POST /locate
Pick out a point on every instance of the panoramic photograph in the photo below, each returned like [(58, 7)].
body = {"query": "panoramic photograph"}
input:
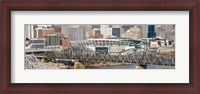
[(99, 46)]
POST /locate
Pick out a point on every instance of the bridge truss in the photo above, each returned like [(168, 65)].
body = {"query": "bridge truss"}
[(31, 62), (139, 56)]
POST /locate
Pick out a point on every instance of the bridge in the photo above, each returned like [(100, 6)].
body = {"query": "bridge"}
[(139, 56), (142, 56), (32, 62)]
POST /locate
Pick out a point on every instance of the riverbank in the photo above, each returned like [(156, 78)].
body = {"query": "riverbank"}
[(133, 66), (101, 65), (106, 64), (56, 65)]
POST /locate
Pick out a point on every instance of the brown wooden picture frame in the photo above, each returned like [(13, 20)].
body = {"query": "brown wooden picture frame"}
[(193, 87)]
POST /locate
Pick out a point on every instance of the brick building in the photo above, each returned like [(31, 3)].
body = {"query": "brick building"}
[(48, 31), (57, 29), (65, 43), (98, 36)]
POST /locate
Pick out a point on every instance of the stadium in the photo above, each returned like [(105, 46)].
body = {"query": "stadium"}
[(109, 44)]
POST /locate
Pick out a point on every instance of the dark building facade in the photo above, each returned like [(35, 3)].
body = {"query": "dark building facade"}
[(151, 31), (53, 40), (37, 43), (116, 32), (97, 32)]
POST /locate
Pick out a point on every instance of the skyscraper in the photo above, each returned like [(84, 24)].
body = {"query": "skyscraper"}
[(76, 32), (116, 32), (53, 40), (73, 34), (151, 31), (104, 30), (144, 31), (38, 33), (29, 31), (108, 32), (64, 30)]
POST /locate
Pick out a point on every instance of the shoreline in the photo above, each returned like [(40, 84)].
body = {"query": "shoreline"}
[(81, 65), (116, 64), (106, 64)]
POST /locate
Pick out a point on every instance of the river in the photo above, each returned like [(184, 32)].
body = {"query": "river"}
[(125, 66), (132, 66)]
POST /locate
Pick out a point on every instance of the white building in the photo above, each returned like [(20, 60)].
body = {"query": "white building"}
[(77, 32), (108, 33), (64, 30), (29, 31), (38, 32), (104, 30), (159, 42)]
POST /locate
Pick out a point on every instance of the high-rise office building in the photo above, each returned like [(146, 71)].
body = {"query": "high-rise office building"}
[(73, 34), (151, 31), (64, 29), (29, 31), (144, 29), (77, 32), (38, 33), (104, 30), (53, 40), (82, 32), (116, 32), (108, 32)]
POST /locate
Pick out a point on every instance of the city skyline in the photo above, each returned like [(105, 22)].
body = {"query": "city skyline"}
[(95, 31), (89, 46)]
